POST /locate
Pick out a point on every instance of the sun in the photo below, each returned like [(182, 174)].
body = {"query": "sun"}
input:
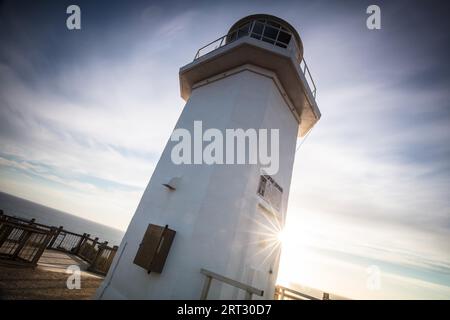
[(282, 236)]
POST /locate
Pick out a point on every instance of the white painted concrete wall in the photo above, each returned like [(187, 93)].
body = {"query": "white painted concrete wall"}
[(215, 209)]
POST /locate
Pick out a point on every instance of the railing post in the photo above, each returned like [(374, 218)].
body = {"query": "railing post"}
[(248, 295), (206, 286), (5, 231), (23, 241), (111, 256), (282, 294), (2, 219), (55, 236), (89, 249), (80, 243), (30, 223), (277, 295), (85, 250), (326, 296), (101, 248), (43, 246)]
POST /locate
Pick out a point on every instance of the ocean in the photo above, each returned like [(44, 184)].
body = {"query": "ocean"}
[(22, 208)]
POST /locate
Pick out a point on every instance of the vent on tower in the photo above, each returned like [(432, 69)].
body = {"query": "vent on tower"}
[(154, 248), (270, 191)]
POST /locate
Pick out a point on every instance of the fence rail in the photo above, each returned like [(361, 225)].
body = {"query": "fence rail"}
[(283, 293), (209, 276), (22, 242)]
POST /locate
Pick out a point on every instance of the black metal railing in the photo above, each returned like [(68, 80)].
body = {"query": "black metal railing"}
[(256, 30)]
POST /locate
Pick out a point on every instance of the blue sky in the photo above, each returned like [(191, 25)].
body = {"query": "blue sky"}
[(84, 116)]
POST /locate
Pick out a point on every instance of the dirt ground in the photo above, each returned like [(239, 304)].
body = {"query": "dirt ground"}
[(47, 280)]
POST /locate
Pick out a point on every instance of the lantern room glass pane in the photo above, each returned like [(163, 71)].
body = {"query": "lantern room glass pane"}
[(270, 32), (244, 30), (258, 28), (284, 37)]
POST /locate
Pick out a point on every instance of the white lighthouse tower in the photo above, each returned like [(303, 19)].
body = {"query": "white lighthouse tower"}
[(207, 230)]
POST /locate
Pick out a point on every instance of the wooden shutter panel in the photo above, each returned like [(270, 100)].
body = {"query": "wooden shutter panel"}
[(154, 248)]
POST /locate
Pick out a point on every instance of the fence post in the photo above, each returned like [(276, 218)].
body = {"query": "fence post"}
[(80, 243), (326, 296), (282, 294), (43, 246), (206, 286), (24, 234), (5, 231), (101, 248), (113, 253), (23, 241), (58, 231), (91, 256), (111, 257), (3, 217)]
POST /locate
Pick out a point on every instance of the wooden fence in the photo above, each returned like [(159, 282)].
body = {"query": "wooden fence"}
[(22, 242)]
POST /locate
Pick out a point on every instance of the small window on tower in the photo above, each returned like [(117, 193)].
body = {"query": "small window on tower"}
[(270, 191)]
